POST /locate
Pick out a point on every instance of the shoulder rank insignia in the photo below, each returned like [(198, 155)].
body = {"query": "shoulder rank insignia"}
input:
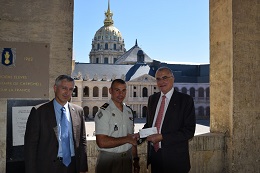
[(100, 114), (104, 106), (131, 110)]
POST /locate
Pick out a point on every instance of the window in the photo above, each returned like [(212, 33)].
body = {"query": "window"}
[(145, 92), (184, 90), (95, 110), (208, 111), (192, 92), (104, 92), (106, 46), (114, 46), (201, 92), (86, 112), (144, 111), (106, 60), (201, 111), (75, 92), (207, 92), (95, 91), (86, 92)]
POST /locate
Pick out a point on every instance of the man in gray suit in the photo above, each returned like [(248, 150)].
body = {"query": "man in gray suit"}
[(48, 140)]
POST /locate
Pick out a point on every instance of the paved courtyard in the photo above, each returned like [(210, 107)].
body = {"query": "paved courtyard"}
[(202, 126)]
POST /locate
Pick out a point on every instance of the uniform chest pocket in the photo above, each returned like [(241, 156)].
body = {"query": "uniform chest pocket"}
[(114, 129)]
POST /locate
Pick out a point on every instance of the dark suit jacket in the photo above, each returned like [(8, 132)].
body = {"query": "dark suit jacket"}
[(41, 144), (177, 128)]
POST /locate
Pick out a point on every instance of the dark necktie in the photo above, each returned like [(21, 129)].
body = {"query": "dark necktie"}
[(65, 140), (159, 121)]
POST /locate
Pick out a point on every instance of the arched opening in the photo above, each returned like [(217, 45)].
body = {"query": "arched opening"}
[(208, 111), (201, 111), (207, 93), (145, 92), (95, 110), (86, 112), (192, 92), (144, 112), (105, 60), (104, 92), (75, 92), (86, 91), (201, 93), (95, 91), (184, 90)]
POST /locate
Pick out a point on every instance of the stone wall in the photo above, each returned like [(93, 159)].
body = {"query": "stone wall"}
[(48, 21), (235, 81), (206, 154)]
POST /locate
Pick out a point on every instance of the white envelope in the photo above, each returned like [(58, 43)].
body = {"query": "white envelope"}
[(147, 132)]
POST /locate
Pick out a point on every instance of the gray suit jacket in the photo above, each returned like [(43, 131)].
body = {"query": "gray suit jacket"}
[(41, 143)]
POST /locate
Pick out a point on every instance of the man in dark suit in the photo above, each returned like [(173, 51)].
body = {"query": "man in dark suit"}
[(168, 151), (48, 140)]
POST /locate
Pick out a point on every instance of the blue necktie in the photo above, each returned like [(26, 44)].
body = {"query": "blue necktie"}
[(65, 140)]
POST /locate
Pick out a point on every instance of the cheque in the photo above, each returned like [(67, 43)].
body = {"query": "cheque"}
[(147, 132)]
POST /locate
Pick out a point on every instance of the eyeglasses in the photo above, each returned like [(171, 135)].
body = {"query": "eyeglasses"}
[(164, 78)]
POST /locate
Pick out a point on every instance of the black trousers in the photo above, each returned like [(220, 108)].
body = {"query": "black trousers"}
[(60, 167), (158, 164)]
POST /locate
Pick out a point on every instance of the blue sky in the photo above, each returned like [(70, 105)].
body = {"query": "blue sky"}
[(166, 30)]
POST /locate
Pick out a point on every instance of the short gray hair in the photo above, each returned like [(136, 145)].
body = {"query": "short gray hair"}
[(64, 77), (166, 69)]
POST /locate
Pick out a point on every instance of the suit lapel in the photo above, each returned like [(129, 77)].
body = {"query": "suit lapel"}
[(73, 116), (53, 122), (154, 105), (171, 105), (171, 114)]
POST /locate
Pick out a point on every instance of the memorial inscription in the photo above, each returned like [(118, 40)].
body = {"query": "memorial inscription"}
[(24, 70)]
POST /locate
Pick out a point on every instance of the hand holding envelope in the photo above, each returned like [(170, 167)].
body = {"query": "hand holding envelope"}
[(147, 132)]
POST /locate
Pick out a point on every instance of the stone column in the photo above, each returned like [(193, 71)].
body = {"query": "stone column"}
[(235, 81), (49, 22)]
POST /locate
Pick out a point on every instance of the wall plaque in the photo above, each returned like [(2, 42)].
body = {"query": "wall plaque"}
[(24, 70)]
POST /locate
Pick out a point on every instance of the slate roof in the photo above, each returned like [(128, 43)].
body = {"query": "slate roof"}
[(130, 57), (97, 72)]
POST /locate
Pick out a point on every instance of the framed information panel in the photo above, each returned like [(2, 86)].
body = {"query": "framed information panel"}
[(17, 115)]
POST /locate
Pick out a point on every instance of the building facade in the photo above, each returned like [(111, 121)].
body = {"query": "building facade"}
[(109, 60)]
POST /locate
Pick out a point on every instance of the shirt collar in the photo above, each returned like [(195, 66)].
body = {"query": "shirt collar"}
[(57, 105), (168, 94), (113, 106)]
